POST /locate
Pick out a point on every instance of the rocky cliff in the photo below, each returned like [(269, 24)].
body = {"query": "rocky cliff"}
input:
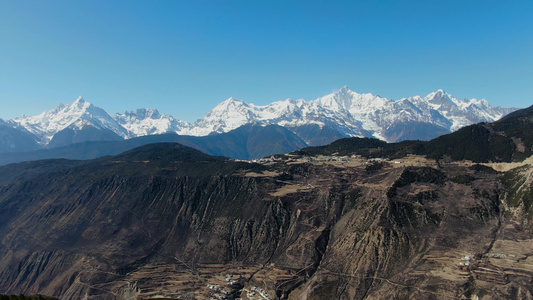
[(166, 220)]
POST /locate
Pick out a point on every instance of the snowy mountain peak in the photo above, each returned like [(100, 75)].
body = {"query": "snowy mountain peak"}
[(351, 113), (340, 100), (77, 116), (482, 104), (346, 101), (344, 90), (226, 116), (81, 104), (143, 113), (441, 100), (146, 121), (342, 113), (232, 101), (440, 93), (229, 105)]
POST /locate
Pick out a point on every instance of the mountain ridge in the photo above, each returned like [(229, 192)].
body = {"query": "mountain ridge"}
[(343, 113), (76, 116), (246, 142), (509, 139)]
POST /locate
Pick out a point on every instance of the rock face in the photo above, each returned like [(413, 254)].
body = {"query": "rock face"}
[(168, 220)]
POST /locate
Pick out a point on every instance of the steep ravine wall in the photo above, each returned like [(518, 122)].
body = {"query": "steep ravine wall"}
[(341, 233), (67, 241), (389, 245)]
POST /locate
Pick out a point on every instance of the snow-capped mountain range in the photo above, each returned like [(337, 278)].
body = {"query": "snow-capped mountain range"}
[(78, 115), (344, 113), (348, 112)]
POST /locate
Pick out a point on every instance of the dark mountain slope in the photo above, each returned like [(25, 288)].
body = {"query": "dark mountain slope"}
[(402, 131), (166, 153), (345, 146), (246, 142), (16, 140), (479, 143), (523, 114), (27, 170), (316, 135), (165, 219), (69, 136), (156, 202), (510, 139), (367, 147)]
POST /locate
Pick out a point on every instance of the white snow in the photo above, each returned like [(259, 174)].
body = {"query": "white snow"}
[(146, 121), (347, 111), (354, 114), (77, 115)]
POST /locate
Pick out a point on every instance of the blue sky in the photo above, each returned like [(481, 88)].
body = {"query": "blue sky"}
[(184, 57)]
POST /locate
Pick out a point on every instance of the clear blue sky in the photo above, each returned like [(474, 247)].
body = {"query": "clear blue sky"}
[(184, 57)]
